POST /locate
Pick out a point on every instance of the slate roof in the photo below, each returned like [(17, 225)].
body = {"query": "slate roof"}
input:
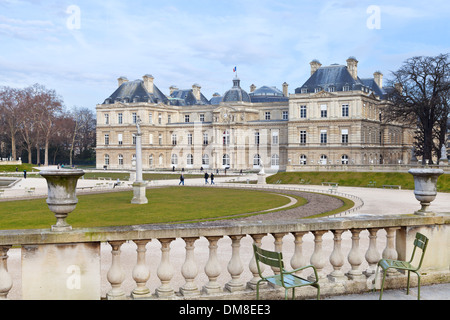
[(267, 94), (236, 93), (216, 99), (338, 76), (134, 91), (186, 98)]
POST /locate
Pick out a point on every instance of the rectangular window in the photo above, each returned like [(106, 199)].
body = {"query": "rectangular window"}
[(169, 118), (205, 139), (174, 139), (120, 138), (275, 137), (106, 118), (134, 117), (267, 115), (345, 110), (150, 140), (160, 139), (134, 139), (323, 136), (257, 138), (202, 117), (106, 139), (344, 136), (302, 136), (323, 111), (285, 115), (159, 118), (186, 118), (302, 111), (189, 138), (150, 118), (120, 118)]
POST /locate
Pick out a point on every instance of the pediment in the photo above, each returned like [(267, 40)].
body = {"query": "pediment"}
[(324, 94)]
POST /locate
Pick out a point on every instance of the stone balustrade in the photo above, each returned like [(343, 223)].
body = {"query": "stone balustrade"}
[(215, 260)]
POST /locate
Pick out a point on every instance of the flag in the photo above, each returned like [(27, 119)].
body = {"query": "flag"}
[(234, 69)]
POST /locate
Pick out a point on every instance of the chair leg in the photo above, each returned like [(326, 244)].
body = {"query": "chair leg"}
[(293, 293), (407, 283), (318, 292), (418, 286), (382, 284)]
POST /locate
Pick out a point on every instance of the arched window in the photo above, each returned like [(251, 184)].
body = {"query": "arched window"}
[(190, 160), (256, 160), (323, 159), (150, 160), (120, 160), (275, 160), (205, 160), (174, 159), (344, 159), (226, 160), (303, 159)]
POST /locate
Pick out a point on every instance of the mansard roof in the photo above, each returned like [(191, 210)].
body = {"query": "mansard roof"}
[(267, 94), (337, 77), (186, 98), (135, 91)]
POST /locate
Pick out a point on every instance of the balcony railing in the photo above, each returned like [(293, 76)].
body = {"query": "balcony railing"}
[(213, 259)]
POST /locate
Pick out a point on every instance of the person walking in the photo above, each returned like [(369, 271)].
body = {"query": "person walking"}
[(206, 177), (212, 178), (181, 180)]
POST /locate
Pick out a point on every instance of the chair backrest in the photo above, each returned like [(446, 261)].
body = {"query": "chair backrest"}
[(420, 242), (270, 258)]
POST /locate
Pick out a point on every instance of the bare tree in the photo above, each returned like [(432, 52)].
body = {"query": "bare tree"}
[(9, 108), (47, 106), (418, 98)]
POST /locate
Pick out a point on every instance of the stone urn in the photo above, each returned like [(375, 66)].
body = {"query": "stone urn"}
[(62, 198), (425, 181)]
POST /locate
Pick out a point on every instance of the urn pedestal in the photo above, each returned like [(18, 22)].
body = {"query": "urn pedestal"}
[(425, 191), (62, 198)]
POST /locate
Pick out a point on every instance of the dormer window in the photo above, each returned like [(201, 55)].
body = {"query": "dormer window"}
[(346, 88), (304, 90)]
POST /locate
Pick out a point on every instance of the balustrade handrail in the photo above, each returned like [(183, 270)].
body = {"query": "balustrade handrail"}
[(222, 228)]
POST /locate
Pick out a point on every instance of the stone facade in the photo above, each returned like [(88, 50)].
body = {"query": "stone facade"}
[(331, 121)]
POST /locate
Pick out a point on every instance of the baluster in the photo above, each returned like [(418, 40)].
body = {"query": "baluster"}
[(165, 270), (189, 269), (235, 266), (337, 258), (252, 265), (115, 274), (298, 259), (278, 245), (390, 252), (318, 258), (6, 282), (372, 255), (354, 257), (141, 272), (212, 267)]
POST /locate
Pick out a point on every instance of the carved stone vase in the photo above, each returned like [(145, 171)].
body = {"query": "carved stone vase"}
[(62, 198), (425, 181)]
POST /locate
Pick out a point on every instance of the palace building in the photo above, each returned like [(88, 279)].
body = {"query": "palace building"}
[(335, 117)]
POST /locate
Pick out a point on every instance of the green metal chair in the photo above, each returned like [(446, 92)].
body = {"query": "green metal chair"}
[(286, 279), (420, 242)]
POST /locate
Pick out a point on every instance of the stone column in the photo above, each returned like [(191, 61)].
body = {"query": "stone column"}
[(115, 274), (141, 272), (189, 270), (212, 267), (165, 270), (235, 267), (139, 185)]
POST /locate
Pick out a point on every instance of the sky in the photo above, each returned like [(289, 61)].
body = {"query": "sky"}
[(80, 48)]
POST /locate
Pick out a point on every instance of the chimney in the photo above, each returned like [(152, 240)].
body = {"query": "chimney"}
[(398, 87), (122, 80), (148, 83), (378, 77), (285, 89), (315, 64), (172, 89), (252, 88), (196, 91), (352, 66)]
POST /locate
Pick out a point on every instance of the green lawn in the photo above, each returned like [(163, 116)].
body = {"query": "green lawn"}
[(356, 179), (166, 205)]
